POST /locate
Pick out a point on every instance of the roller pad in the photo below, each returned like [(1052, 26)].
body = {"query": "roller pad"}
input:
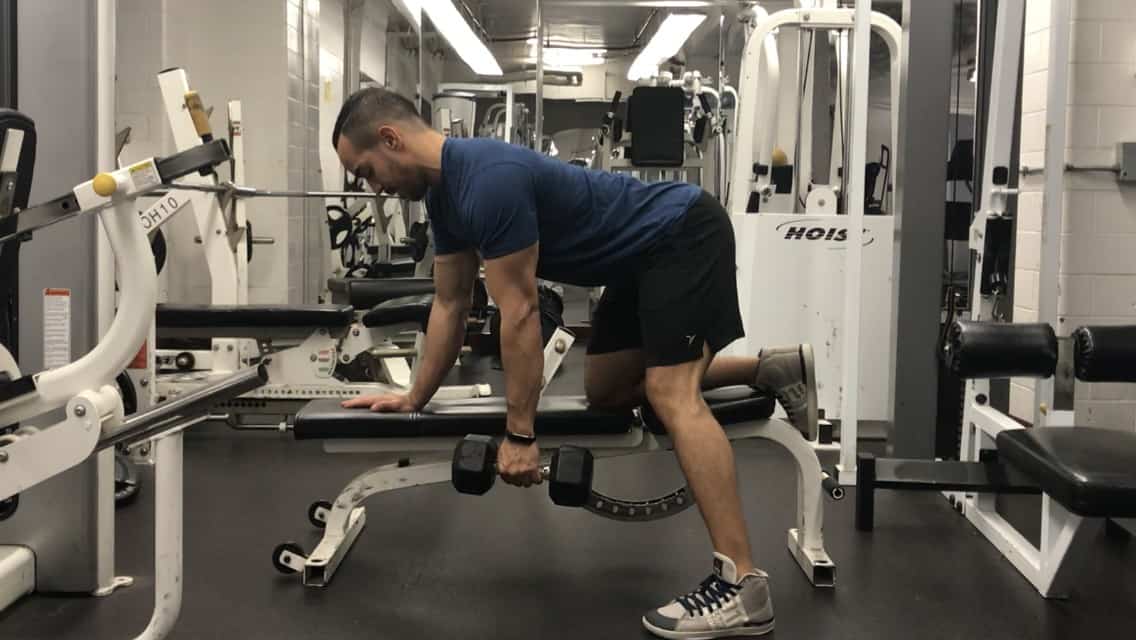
[(1105, 354), (1001, 350)]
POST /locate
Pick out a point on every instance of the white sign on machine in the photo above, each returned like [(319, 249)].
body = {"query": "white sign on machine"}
[(791, 289)]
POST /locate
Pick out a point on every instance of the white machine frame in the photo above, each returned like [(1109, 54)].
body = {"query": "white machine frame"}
[(93, 404), (760, 68), (1062, 533), (347, 517)]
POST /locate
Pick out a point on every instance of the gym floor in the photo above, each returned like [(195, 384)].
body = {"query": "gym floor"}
[(435, 564)]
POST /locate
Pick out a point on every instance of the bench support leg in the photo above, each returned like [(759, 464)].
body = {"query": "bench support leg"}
[(347, 516)]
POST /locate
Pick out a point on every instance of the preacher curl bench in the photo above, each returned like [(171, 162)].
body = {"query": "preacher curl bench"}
[(1085, 474), (422, 444)]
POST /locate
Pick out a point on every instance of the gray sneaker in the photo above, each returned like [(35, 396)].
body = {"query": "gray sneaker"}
[(789, 373), (723, 606)]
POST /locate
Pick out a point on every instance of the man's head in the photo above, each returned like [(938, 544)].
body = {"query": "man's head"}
[(376, 135)]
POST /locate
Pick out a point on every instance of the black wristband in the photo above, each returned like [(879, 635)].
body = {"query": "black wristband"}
[(520, 438)]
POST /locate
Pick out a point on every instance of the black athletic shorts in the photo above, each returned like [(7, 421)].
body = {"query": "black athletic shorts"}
[(681, 293)]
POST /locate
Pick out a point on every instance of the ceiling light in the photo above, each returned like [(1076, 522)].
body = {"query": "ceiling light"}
[(672, 34), (457, 32)]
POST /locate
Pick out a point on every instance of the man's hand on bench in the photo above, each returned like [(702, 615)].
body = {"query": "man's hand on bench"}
[(384, 403)]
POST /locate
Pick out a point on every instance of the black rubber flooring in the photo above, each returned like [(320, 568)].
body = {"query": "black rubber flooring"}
[(433, 564)]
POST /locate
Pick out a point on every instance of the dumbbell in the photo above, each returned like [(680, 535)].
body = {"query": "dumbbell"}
[(569, 476)]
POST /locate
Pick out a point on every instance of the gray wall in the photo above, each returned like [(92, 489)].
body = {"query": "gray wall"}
[(57, 90)]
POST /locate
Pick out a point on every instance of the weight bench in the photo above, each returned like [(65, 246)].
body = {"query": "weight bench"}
[(1082, 472), (310, 352), (419, 446)]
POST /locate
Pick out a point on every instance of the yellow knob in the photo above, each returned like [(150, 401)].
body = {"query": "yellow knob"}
[(780, 158), (105, 185)]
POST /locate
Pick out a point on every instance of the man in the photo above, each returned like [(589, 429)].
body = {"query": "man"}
[(664, 251)]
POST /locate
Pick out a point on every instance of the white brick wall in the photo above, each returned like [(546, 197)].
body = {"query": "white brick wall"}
[(1098, 236)]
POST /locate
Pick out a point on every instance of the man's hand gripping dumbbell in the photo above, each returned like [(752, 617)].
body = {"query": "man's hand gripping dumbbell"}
[(569, 475)]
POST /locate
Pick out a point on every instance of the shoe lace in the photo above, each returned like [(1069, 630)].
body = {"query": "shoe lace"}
[(712, 594)]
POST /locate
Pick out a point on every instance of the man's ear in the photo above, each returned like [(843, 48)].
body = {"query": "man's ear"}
[(389, 137)]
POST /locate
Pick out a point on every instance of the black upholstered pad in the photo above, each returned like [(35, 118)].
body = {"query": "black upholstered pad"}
[(732, 405), (363, 293), (240, 321), (414, 309), (1091, 472), (556, 415)]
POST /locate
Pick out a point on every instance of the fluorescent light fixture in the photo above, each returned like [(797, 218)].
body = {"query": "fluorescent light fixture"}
[(453, 27), (672, 34), (561, 57)]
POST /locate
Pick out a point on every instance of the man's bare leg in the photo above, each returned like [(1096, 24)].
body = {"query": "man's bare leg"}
[(704, 453), (616, 379)]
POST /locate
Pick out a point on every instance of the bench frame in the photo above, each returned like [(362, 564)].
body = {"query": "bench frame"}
[(346, 518)]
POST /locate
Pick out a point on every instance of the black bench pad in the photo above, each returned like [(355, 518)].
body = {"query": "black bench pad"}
[(556, 415), (364, 293), (1090, 471), (409, 309), (238, 321)]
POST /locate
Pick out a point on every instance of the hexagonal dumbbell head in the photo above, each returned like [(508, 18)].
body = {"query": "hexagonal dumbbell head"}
[(474, 469), (570, 479)]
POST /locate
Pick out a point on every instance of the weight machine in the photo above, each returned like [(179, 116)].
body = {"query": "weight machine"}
[(84, 390)]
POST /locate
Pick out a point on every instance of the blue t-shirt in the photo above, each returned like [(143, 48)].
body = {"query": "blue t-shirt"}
[(499, 198)]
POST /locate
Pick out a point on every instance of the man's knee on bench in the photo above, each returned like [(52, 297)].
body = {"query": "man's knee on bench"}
[(675, 397)]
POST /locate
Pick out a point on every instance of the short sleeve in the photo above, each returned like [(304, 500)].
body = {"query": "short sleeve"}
[(445, 241), (501, 211)]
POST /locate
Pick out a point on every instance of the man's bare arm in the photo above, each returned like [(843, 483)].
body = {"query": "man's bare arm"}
[(454, 275), (511, 280)]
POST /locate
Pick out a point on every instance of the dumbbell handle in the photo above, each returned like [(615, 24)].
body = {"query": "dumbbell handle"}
[(545, 471)]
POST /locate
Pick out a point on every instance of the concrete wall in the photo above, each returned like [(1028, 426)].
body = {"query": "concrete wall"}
[(1098, 230)]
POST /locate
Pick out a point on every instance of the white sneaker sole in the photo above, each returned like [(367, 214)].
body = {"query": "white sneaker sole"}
[(734, 632)]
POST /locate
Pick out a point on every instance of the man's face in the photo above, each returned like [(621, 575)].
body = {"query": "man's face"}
[(386, 166)]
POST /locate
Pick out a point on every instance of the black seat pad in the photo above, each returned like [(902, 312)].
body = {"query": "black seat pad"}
[(415, 309), (240, 318), (556, 415), (1091, 472), (363, 293)]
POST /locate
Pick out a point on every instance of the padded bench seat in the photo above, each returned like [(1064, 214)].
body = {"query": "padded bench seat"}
[(364, 293), (408, 309), (250, 321), (1090, 471), (556, 415)]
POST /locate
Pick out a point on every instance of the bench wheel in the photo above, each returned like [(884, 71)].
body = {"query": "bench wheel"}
[(318, 513), (280, 562)]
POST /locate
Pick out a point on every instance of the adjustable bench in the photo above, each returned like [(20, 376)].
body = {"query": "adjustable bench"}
[(310, 352), (1082, 472), (430, 436)]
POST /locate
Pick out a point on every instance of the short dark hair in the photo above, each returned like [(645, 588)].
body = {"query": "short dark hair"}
[(366, 107)]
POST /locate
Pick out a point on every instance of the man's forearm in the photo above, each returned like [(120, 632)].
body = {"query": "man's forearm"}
[(523, 360), (445, 334)]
